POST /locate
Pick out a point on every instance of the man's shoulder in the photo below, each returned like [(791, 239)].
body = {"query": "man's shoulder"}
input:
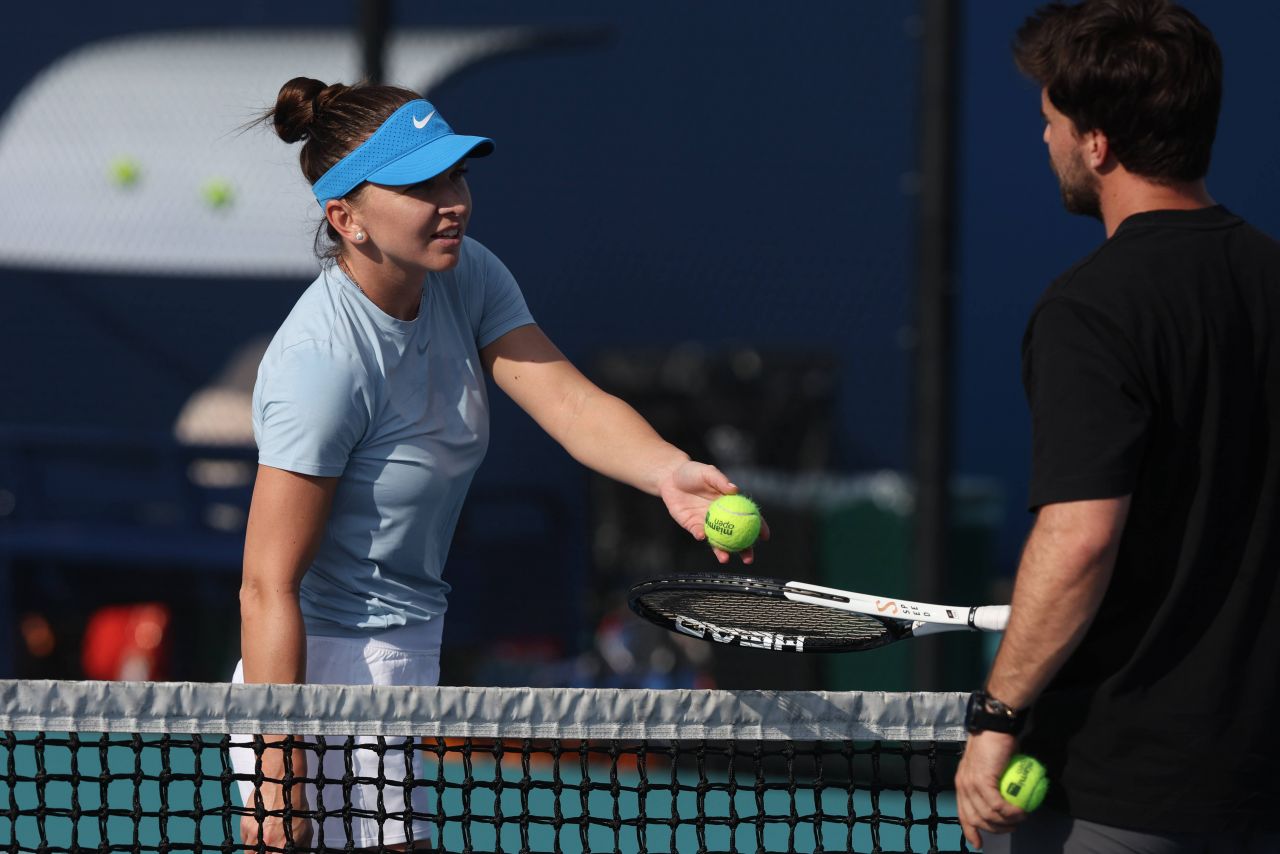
[(1258, 240), (1113, 281), (1147, 256), (1089, 278)]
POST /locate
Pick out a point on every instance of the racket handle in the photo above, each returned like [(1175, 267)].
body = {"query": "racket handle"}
[(990, 618)]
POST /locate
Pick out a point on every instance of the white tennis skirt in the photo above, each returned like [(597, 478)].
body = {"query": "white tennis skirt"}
[(405, 656)]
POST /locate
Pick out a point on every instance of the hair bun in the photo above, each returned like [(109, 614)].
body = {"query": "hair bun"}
[(297, 105)]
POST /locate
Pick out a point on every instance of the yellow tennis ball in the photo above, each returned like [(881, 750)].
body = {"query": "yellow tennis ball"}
[(125, 171), (1024, 783), (217, 192), (732, 523)]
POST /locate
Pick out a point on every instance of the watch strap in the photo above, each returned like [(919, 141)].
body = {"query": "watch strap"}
[(987, 714)]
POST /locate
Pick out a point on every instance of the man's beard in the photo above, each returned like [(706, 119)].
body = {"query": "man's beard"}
[(1079, 187)]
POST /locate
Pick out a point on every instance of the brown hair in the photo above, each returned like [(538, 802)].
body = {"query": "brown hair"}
[(1146, 73), (332, 120)]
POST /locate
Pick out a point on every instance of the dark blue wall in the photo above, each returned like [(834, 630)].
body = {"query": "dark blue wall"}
[(718, 172)]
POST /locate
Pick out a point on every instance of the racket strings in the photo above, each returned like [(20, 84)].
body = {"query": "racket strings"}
[(751, 612)]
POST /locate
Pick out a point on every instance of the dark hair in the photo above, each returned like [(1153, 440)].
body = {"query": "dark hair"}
[(334, 120), (1146, 73)]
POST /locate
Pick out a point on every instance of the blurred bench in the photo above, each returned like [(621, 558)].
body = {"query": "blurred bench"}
[(115, 501)]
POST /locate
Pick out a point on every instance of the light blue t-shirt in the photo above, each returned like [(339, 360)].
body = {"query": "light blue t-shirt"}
[(398, 411)]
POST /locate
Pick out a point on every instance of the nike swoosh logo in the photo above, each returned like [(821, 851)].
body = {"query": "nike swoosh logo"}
[(421, 123)]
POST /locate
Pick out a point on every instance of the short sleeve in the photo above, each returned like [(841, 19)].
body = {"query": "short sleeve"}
[(310, 409), (495, 303), (1089, 405)]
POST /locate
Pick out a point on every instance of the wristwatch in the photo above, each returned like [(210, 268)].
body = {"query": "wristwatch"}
[(986, 713)]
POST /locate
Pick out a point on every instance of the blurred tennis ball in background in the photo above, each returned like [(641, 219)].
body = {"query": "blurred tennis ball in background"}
[(1024, 783), (124, 172), (217, 193), (732, 523)]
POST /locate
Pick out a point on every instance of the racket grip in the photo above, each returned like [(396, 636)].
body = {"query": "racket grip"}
[(991, 618)]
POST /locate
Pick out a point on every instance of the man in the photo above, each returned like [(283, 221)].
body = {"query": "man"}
[(1143, 651)]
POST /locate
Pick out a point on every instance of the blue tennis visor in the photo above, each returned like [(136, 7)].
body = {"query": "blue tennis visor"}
[(414, 144)]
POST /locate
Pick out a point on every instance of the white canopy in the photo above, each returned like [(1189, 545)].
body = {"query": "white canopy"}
[(207, 199)]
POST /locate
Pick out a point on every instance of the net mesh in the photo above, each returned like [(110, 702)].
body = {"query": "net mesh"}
[(87, 768)]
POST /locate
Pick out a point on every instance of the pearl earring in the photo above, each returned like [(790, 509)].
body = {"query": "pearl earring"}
[(359, 237)]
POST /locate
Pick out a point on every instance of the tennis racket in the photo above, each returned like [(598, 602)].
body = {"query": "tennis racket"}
[(790, 616)]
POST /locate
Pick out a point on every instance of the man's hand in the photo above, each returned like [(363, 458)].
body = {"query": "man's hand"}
[(978, 798)]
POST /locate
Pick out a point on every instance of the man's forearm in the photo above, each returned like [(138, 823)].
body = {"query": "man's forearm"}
[(1065, 569)]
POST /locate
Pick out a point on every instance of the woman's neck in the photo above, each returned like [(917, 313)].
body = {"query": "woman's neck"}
[(396, 291)]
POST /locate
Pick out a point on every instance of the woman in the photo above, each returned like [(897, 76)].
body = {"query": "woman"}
[(371, 417)]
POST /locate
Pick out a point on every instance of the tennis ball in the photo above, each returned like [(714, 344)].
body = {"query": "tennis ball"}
[(124, 172), (217, 192), (732, 523), (1024, 783)]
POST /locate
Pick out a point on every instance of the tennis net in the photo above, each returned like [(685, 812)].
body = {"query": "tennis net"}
[(147, 767)]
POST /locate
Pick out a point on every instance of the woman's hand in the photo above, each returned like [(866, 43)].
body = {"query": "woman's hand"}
[(272, 830), (688, 490)]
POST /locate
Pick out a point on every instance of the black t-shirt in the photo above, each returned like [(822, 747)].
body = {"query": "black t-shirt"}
[(1152, 369)]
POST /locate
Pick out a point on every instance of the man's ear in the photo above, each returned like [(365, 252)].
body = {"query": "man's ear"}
[(1097, 149)]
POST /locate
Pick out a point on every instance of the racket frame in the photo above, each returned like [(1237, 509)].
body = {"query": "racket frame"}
[(901, 618), (924, 618)]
